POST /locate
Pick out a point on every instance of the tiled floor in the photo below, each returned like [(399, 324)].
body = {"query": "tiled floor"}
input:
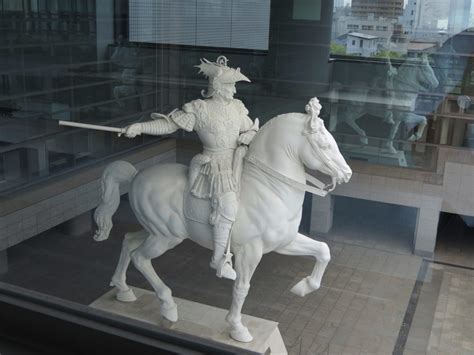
[(366, 303)]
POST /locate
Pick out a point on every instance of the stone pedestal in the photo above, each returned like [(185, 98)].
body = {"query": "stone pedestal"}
[(426, 231), (373, 155), (196, 319), (322, 211)]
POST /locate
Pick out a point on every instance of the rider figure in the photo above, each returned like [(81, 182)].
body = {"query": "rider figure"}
[(223, 126)]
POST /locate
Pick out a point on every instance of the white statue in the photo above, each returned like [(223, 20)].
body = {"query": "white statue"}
[(402, 84), (222, 123), (174, 203)]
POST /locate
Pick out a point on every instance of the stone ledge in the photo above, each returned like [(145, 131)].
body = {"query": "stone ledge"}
[(64, 198), (82, 176)]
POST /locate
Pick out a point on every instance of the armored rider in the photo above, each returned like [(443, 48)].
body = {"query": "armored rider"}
[(224, 128)]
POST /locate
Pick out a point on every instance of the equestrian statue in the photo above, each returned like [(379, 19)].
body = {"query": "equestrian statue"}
[(402, 85), (243, 194)]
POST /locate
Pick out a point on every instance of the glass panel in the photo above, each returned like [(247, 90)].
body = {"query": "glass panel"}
[(392, 237)]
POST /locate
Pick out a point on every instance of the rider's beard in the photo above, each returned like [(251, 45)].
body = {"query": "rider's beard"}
[(225, 95)]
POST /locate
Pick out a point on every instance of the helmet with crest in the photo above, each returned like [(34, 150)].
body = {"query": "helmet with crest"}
[(219, 73)]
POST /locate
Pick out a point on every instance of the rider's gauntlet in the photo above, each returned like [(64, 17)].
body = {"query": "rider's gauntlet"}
[(246, 137)]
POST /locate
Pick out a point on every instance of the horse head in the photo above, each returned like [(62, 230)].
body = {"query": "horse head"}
[(419, 75), (319, 151)]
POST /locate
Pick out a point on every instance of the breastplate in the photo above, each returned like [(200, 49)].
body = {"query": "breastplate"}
[(219, 127)]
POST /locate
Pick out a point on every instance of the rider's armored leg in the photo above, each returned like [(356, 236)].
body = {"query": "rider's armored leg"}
[(222, 218), (222, 261)]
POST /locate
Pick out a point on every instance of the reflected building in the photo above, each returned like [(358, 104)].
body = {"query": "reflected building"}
[(431, 18), (379, 8), (459, 16)]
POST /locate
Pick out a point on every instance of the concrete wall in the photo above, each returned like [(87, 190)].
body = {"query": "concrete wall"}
[(31, 212), (450, 189)]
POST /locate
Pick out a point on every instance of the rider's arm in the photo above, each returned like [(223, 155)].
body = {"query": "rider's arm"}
[(248, 128), (184, 119), (156, 127)]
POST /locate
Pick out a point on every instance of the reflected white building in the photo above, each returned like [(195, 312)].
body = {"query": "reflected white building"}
[(459, 16), (361, 44)]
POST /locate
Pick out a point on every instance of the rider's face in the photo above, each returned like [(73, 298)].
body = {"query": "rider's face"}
[(227, 90)]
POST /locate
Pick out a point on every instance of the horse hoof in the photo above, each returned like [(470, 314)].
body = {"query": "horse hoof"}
[(126, 296), (303, 287), (389, 150), (241, 334), (170, 313), (100, 236)]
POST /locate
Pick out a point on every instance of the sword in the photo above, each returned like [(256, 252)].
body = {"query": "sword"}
[(120, 131)]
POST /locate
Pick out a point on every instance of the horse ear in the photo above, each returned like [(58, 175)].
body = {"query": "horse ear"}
[(313, 124)]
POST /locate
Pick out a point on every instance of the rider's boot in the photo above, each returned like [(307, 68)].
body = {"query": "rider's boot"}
[(389, 148), (418, 133), (222, 261)]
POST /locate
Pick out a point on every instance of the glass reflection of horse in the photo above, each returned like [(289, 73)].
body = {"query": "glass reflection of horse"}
[(271, 199), (402, 85)]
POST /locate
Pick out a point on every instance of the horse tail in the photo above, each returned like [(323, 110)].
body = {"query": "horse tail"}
[(113, 175)]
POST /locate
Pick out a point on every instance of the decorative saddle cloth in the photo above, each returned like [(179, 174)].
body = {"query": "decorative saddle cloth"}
[(196, 209)]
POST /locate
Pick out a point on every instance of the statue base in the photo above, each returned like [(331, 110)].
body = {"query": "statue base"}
[(195, 319), (373, 155)]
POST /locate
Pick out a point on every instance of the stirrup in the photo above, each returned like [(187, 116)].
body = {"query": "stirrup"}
[(224, 267)]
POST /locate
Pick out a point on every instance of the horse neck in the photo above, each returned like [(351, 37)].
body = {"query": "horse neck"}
[(407, 79), (276, 147)]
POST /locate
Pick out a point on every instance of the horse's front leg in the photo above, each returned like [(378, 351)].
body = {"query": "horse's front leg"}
[(351, 121), (302, 245), (391, 136), (247, 257)]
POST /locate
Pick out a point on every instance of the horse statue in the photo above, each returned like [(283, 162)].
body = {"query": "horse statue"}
[(273, 185), (402, 84)]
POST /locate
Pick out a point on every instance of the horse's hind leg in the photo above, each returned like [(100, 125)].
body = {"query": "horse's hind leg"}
[(302, 245), (153, 247), (119, 279), (351, 121), (247, 257)]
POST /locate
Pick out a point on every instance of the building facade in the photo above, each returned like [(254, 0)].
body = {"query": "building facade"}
[(390, 9)]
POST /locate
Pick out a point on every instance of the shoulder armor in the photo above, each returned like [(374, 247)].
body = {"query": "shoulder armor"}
[(186, 118), (194, 106)]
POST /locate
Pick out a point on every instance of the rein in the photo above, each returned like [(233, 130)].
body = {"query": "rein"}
[(319, 188)]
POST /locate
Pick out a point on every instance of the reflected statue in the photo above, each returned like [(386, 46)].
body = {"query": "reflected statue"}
[(127, 87), (402, 87), (260, 197), (125, 56), (411, 79)]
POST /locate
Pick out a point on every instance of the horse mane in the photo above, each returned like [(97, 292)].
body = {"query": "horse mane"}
[(285, 118)]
